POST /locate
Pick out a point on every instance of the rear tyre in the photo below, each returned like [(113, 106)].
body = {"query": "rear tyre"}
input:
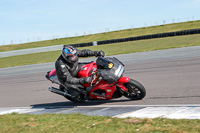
[(80, 99), (136, 90)]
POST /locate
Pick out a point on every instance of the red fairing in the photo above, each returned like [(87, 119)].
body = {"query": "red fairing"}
[(109, 90), (103, 85), (86, 71), (121, 82)]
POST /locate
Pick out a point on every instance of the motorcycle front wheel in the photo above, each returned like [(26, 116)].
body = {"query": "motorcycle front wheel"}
[(136, 90)]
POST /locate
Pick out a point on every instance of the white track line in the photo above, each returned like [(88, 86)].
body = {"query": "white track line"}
[(164, 112), (148, 111), (18, 110)]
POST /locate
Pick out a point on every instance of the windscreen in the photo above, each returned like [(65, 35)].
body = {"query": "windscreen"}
[(111, 69), (104, 63)]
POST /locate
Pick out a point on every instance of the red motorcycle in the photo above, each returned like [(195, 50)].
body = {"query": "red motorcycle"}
[(108, 82)]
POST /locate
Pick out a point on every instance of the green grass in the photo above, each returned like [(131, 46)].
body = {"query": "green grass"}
[(112, 49), (107, 36), (77, 123)]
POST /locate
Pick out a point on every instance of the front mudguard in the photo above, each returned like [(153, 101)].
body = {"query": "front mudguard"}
[(121, 82)]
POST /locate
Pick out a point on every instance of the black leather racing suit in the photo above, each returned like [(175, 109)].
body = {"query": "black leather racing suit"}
[(67, 72)]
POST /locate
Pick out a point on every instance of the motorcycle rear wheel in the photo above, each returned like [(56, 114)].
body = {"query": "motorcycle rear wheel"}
[(136, 90), (81, 99)]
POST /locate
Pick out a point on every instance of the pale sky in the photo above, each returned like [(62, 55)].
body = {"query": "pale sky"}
[(24, 21)]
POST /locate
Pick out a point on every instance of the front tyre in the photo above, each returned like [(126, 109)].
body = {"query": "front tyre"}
[(136, 90)]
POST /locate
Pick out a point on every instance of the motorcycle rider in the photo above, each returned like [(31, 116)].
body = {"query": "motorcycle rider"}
[(67, 68)]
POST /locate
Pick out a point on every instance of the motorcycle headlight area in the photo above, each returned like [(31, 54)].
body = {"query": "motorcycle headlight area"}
[(119, 71)]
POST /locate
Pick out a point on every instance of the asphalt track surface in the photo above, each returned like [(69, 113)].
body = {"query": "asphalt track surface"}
[(171, 77)]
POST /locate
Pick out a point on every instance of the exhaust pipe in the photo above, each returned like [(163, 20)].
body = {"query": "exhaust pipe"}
[(59, 92)]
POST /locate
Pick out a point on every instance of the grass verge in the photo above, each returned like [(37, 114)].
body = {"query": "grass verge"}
[(78, 123), (107, 36), (112, 49)]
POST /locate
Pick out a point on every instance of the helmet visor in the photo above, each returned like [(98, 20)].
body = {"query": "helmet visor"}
[(68, 52)]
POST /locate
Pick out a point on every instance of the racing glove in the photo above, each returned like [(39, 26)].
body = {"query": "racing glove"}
[(99, 53), (86, 80)]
